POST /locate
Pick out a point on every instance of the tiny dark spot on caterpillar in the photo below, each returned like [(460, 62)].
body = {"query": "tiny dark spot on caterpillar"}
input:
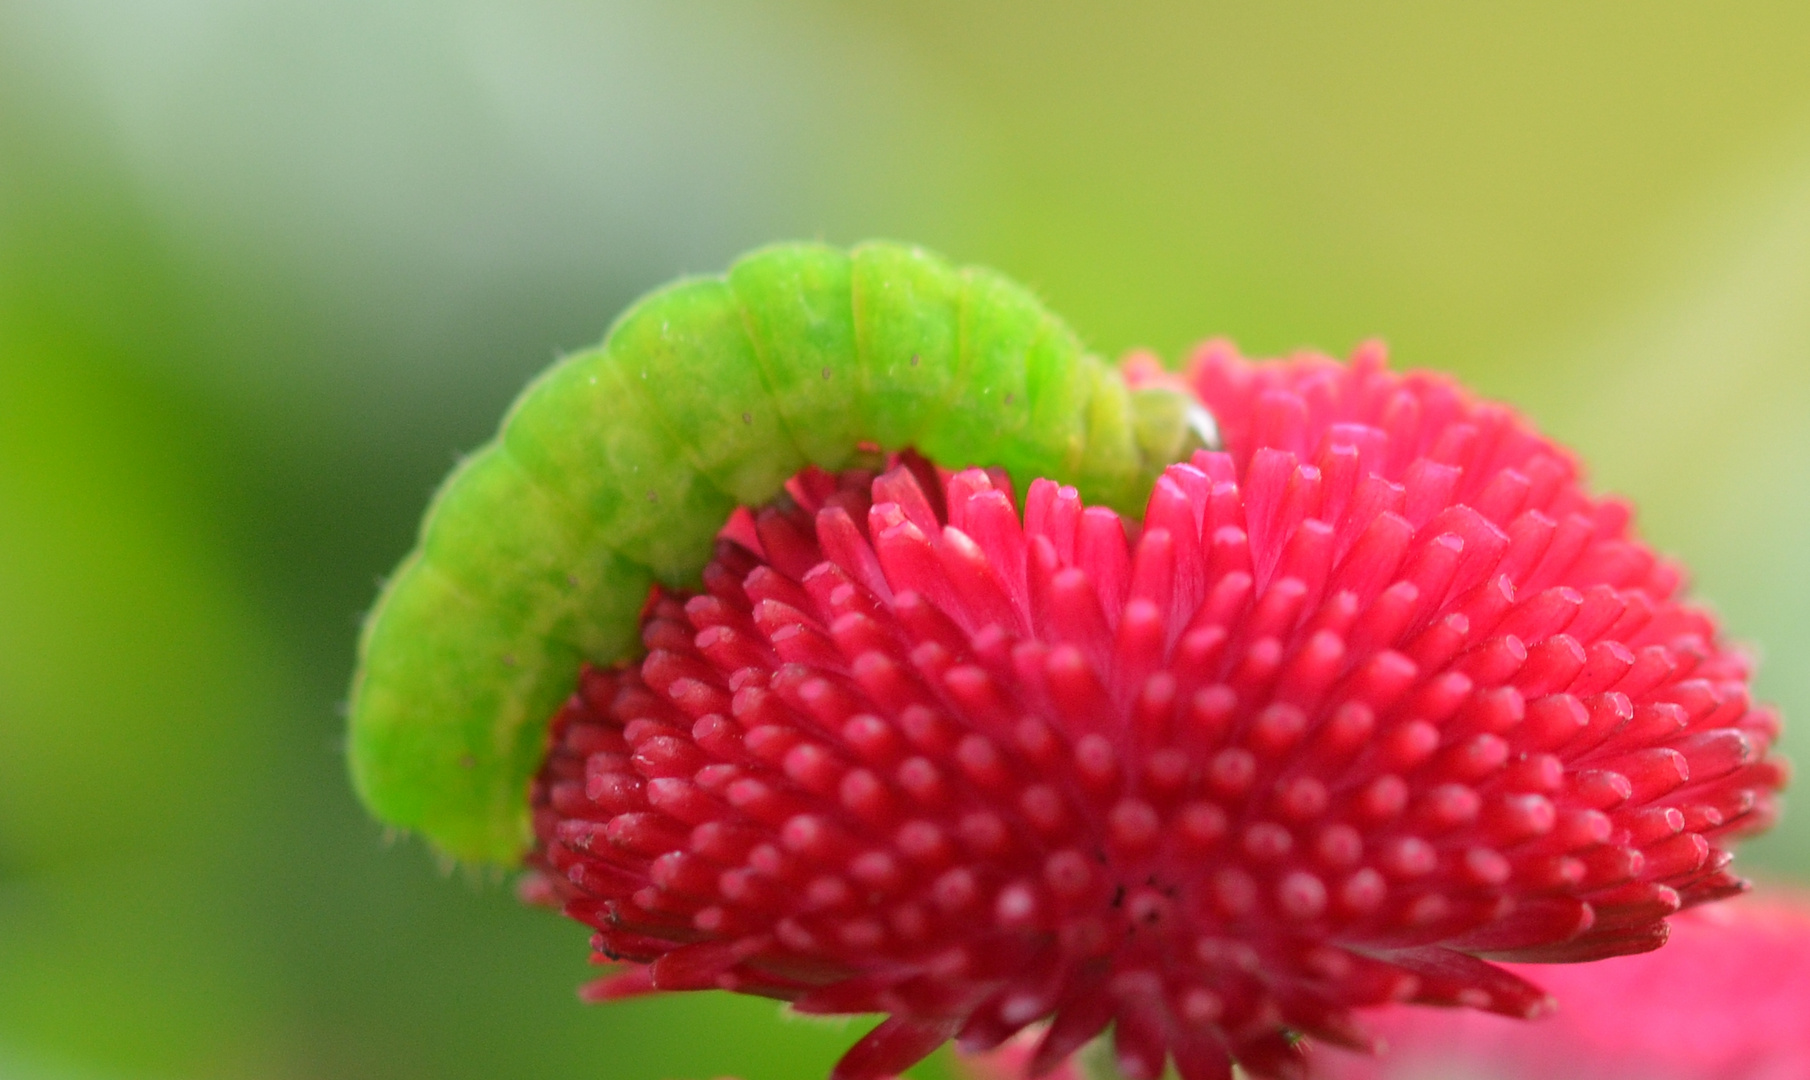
[(747, 418), (466, 761), (653, 496), (826, 373), (508, 659), (1009, 398), (572, 580), (914, 359)]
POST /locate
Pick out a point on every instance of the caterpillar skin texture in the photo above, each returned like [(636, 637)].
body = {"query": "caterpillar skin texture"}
[(615, 468)]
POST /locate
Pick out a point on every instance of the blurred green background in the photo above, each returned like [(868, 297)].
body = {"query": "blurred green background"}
[(266, 267)]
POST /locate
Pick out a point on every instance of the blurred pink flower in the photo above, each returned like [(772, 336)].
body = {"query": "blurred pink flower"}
[(1727, 999)]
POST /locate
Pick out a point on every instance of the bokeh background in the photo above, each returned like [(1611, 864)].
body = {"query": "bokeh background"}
[(267, 266)]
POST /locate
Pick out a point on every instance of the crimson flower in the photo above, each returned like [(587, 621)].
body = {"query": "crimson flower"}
[(1374, 696)]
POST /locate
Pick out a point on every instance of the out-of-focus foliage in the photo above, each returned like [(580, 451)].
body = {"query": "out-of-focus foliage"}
[(265, 268)]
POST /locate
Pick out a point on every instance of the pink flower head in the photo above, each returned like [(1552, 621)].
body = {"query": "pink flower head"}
[(1372, 697)]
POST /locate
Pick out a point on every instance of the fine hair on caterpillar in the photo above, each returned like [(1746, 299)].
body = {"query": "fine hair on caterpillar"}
[(616, 467)]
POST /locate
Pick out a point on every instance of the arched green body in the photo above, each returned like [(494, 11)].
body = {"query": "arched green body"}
[(617, 466)]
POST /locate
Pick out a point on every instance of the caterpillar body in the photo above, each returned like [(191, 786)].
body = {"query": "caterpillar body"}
[(616, 467)]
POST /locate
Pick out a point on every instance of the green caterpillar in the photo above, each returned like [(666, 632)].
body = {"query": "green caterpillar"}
[(616, 467)]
